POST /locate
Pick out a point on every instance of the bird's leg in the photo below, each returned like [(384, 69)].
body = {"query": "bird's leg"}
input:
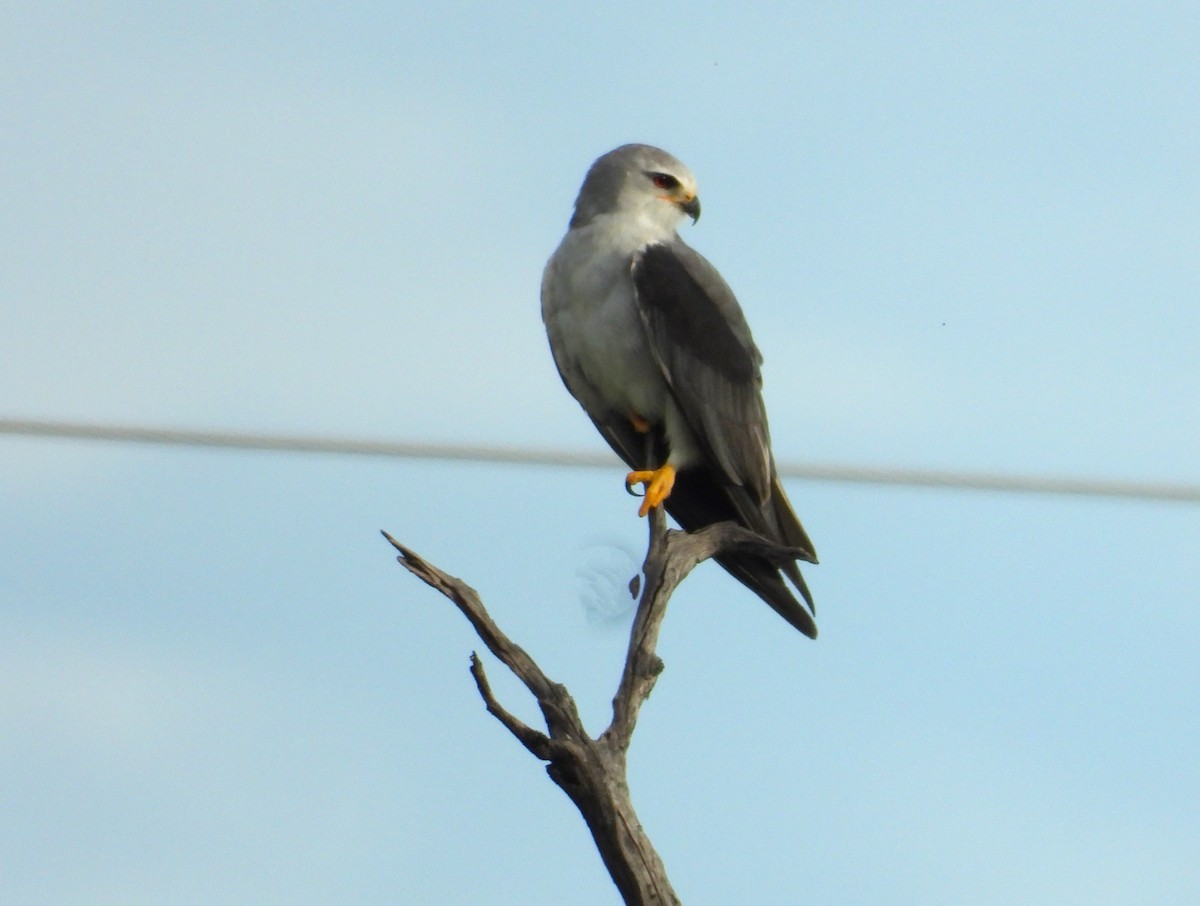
[(658, 482)]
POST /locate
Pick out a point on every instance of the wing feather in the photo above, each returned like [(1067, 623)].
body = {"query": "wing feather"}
[(702, 343)]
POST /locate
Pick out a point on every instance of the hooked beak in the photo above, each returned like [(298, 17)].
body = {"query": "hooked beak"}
[(691, 207)]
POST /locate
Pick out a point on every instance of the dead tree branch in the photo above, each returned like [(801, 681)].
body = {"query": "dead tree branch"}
[(591, 771)]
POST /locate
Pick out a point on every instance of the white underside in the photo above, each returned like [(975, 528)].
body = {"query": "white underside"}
[(598, 338)]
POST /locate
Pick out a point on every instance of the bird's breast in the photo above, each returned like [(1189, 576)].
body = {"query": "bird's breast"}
[(598, 336)]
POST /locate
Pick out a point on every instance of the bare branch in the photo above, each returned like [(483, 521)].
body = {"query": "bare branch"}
[(592, 771), (467, 600), (642, 663), (537, 743)]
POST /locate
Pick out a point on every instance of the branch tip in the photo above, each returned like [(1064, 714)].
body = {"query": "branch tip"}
[(590, 771)]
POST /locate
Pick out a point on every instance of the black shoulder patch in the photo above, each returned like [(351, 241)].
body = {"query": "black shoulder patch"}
[(682, 313)]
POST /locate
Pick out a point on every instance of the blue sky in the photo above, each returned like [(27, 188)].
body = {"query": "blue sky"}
[(965, 237)]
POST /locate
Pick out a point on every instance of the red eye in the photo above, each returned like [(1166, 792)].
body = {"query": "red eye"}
[(664, 180)]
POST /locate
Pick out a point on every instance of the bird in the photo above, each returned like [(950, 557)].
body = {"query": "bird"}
[(652, 343)]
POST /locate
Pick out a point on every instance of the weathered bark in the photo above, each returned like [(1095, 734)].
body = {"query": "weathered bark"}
[(592, 771)]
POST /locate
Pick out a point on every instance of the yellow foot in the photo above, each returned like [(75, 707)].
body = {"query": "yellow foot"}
[(658, 486)]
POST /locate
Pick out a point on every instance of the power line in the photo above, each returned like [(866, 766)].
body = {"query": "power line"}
[(302, 443)]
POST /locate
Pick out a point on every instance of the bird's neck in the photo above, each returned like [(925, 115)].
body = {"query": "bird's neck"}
[(630, 232)]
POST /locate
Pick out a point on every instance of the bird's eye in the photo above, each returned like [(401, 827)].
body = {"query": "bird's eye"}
[(664, 180)]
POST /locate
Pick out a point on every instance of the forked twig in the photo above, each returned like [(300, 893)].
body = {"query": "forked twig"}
[(591, 771)]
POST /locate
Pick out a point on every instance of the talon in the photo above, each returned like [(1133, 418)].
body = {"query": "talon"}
[(658, 486)]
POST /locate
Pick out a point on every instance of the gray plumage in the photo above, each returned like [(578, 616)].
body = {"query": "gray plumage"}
[(647, 335)]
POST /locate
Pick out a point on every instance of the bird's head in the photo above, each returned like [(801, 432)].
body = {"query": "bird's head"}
[(640, 182)]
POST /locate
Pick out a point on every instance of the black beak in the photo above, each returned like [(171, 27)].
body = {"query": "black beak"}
[(691, 207)]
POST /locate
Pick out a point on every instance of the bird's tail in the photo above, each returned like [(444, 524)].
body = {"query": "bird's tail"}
[(791, 532), (699, 499), (764, 580)]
